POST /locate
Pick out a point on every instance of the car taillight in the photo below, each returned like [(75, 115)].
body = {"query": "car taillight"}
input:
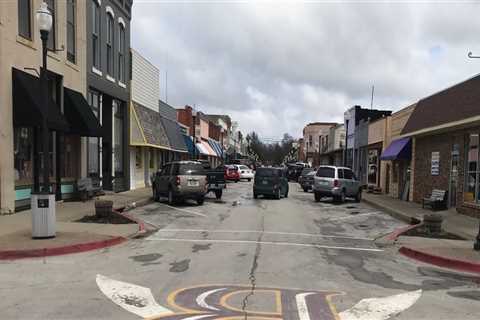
[(177, 180), (336, 183)]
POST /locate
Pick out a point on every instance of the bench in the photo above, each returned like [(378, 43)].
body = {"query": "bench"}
[(88, 187), (436, 200)]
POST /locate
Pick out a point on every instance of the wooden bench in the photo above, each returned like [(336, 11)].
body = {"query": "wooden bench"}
[(88, 187), (436, 200)]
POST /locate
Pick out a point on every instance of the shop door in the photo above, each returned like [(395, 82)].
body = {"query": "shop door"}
[(452, 189)]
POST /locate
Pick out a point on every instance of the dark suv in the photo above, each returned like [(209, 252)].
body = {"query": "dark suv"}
[(270, 182), (180, 180)]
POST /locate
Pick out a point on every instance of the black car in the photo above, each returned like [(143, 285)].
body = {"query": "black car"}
[(270, 182), (293, 172), (306, 179)]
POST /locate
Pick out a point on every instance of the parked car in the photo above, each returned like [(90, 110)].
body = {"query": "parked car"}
[(270, 182), (180, 180), (215, 178), (294, 171), (336, 182), (232, 173), (306, 179), (245, 172)]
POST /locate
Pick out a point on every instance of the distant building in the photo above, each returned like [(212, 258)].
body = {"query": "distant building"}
[(312, 137)]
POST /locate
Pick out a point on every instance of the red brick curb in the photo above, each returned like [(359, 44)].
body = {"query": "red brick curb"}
[(445, 262), (399, 231), (56, 251), (140, 223)]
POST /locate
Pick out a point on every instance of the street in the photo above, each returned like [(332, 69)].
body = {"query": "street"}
[(242, 258)]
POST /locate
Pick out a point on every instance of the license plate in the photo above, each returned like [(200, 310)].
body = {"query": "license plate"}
[(324, 183), (193, 183), (264, 182)]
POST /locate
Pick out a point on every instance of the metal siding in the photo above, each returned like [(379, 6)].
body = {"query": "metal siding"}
[(145, 82)]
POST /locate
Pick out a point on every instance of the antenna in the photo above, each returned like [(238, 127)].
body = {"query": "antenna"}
[(166, 86), (371, 101)]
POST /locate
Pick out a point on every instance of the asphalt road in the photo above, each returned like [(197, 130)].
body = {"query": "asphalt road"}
[(241, 258)]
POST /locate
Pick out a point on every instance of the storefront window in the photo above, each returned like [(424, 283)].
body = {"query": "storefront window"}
[(471, 177), (118, 151), (152, 158), (69, 156), (138, 158), (23, 155), (93, 164)]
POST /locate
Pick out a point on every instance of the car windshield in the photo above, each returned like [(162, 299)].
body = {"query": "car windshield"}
[(266, 172), (191, 169), (326, 172), (306, 171), (242, 167)]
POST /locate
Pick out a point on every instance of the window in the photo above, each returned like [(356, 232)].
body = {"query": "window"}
[(24, 19), (138, 158), (326, 172), (118, 139), (121, 53), (471, 193), (51, 36), (340, 173), (23, 155), (93, 148), (109, 44), (71, 26), (96, 34), (348, 174)]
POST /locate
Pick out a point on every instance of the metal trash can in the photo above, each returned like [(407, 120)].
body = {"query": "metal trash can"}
[(43, 215)]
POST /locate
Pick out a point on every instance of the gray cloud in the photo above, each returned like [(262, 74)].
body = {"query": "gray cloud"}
[(274, 67)]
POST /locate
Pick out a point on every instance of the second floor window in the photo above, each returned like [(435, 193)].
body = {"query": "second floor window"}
[(121, 54), (110, 44), (51, 36), (96, 34), (71, 23), (24, 19)]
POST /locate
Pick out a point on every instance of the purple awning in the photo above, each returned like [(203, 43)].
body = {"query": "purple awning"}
[(398, 149)]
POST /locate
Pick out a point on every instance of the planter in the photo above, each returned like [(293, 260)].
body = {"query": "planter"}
[(103, 208)]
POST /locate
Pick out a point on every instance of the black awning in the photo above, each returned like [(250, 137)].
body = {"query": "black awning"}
[(79, 114), (27, 109)]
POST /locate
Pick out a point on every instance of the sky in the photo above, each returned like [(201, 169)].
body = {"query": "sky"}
[(275, 66)]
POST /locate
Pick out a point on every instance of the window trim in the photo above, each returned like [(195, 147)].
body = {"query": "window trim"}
[(96, 35), (121, 52), (110, 45), (53, 32)]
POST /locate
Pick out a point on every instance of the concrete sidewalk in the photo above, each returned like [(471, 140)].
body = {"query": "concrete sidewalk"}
[(454, 254), (458, 224), (15, 229)]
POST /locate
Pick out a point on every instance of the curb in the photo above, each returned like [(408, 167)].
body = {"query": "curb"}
[(140, 223), (394, 213), (455, 264), (56, 251), (399, 231)]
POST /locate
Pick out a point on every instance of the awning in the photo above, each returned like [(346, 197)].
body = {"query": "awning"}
[(175, 137), (209, 149), (189, 143), (27, 108), (398, 149), (80, 115), (216, 147), (150, 127), (202, 148)]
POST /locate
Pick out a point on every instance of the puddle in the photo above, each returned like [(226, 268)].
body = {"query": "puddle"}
[(180, 266), (201, 247), (146, 257)]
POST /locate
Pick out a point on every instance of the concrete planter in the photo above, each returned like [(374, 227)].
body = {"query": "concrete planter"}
[(103, 208)]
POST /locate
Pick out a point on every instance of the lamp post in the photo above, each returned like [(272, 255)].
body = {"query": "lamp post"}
[(43, 202)]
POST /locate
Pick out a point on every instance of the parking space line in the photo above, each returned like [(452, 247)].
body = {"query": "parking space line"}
[(184, 210), (311, 245), (267, 232), (352, 216)]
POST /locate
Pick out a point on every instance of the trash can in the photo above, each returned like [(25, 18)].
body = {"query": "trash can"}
[(43, 215)]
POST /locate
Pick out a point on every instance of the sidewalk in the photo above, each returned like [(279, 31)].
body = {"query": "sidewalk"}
[(15, 229), (454, 254)]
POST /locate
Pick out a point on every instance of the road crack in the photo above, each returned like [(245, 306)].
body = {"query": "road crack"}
[(253, 269)]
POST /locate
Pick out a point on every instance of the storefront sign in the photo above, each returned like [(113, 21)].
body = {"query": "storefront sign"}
[(435, 163)]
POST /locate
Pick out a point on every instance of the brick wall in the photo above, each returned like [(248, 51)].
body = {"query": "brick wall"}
[(184, 116)]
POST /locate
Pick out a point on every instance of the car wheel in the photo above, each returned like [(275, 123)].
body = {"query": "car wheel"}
[(305, 189), (200, 200), (341, 197), (155, 194), (255, 196), (358, 197), (171, 198), (286, 194), (317, 197), (237, 181), (249, 179), (218, 194)]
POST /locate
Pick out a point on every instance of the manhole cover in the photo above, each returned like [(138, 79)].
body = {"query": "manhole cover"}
[(354, 212), (351, 207), (363, 226)]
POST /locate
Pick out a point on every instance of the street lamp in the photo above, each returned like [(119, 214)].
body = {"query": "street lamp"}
[(43, 202)]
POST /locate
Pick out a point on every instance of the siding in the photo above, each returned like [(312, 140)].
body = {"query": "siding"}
[(145, 82)]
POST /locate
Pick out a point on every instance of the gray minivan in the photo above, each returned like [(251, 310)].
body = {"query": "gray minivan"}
[(336, 182)]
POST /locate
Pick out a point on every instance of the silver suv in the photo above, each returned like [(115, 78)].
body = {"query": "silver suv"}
[(180, 180), (336, 182)]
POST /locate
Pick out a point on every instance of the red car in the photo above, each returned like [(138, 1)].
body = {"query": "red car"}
[(232, 173)]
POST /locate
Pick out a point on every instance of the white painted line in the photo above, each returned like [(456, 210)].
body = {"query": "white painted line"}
[(302, 308), (135, 299), (199, 317), (381, 308), (351, 216), (266, 232), (266, 243), (184, 210), (201, 299)]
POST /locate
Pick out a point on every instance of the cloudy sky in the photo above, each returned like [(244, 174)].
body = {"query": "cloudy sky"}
[(275, 66)]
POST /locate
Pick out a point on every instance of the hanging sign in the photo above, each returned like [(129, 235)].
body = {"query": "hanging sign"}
[(435, 169)]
